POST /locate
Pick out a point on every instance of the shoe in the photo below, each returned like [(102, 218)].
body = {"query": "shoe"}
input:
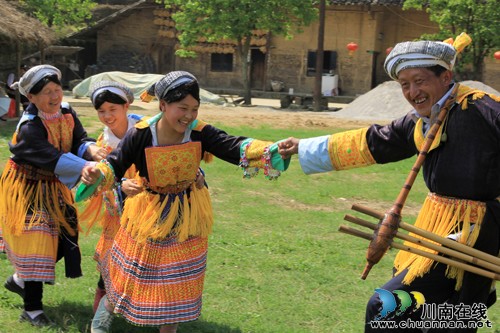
[(102, 319), (99, 293), (11, 285), (39, 321)]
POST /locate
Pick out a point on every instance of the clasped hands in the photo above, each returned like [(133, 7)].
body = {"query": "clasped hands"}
[(288, 147)]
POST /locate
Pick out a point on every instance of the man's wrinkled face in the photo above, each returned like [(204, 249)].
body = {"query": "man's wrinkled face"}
[(423, 88)]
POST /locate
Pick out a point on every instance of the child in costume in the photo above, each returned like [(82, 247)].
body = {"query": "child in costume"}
[(111, 100), (37, 211), (155, 269)]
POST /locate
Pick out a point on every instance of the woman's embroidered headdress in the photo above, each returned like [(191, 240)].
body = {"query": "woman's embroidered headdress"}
[(114, 87), (33, 76), (170, 81)]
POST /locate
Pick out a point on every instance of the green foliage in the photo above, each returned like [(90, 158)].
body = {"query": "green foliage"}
[(60, 13), (236, 20), (479, 19)]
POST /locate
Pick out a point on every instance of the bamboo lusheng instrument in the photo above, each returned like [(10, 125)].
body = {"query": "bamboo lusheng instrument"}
[(453, 252), (388, 226), (435, 257), (429, 235)]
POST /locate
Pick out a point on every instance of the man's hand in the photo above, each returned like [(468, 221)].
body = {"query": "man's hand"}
[(288, 147)]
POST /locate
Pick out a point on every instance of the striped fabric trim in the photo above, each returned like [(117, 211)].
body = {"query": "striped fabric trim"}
[(33, 254), (157, 282)]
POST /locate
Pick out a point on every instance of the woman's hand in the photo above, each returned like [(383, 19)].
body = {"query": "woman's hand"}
[(200, 180), (130, 187), (97, 153), (90, 174)]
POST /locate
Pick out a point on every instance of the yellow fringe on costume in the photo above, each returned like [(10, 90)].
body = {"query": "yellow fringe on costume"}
[(142, 216), (102, 206), (349, 150), (96, 210), (464, 92), (172, 171), (442, 216), (21, 193)]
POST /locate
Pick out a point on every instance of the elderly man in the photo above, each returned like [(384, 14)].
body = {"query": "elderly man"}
[(461, 171)]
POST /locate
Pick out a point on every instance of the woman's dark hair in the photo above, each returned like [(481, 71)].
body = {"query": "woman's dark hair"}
[(437, 69), (107, 96), (40, 84), (181, 92)]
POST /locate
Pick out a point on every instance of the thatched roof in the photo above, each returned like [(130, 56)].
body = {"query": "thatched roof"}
[(17, 26)]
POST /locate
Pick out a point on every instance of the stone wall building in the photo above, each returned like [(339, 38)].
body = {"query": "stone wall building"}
[(141, 38)]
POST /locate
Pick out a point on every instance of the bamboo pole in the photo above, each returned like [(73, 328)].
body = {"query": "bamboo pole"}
[(429, 235), (443, 260), (392, 219), (464, 256)]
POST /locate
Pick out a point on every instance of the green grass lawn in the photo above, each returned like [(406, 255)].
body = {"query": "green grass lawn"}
[(277, 262)]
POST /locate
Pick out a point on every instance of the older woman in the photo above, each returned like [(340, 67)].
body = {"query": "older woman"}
[(37, 213)]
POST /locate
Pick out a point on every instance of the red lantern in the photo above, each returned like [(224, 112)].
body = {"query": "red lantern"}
[(497, 56), (388, 50), (352, 47)]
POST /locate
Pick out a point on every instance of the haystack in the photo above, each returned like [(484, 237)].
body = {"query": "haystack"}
[(18, 27)]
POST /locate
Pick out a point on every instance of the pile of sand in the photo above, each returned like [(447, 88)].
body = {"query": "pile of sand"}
[(386, 102)]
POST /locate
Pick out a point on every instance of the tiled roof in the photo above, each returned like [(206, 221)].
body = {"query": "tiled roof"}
[(366, 2)]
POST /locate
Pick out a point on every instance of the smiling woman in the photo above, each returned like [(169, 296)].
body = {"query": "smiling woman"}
[(159, 253), (37, 212)]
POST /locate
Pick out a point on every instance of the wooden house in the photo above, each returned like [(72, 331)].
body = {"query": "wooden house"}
[(141, 38)]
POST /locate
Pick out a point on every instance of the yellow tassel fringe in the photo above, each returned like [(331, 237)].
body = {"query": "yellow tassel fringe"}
[(21, 195), (142, 216), (442, 216)]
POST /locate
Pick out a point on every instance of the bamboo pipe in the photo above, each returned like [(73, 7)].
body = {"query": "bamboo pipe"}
[(391, 220), (432, 246), (429, 235), (443, 260)]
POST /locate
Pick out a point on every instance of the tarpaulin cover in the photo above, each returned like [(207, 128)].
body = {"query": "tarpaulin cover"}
[(137, 83)]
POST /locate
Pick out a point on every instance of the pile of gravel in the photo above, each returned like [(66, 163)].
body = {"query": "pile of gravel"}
[(386, 102)]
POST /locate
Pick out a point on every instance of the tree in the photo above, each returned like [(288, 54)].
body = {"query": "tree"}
[(59, 14), (236, 20), (480, 19)]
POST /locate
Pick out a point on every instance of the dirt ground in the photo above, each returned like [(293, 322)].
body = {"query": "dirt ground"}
[(262, 111), (276, 117)]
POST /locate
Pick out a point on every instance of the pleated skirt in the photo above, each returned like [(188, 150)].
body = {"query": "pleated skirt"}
[(34, 252), (156, 282)]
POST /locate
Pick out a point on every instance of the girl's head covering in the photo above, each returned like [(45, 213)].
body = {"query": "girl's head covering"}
[(33, 76), (114, 87), (424, 54), (169, 82)]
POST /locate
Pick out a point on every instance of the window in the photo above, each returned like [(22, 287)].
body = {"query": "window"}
[(329, 62), (221, 62)]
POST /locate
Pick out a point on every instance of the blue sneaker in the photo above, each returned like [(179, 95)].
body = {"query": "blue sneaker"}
[(102, 319)]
